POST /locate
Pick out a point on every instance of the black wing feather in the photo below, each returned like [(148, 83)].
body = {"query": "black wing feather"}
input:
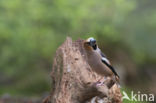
[(107, 64), (110, 67)]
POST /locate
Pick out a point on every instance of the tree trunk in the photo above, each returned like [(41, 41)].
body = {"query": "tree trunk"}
[(73, 81)]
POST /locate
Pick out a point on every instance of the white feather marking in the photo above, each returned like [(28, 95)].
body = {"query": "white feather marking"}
[(105, 59)]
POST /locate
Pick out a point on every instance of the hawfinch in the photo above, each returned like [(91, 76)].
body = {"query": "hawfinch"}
[(98, 61)]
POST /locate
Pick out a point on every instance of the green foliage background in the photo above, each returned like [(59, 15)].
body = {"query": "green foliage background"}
[(31, 31)]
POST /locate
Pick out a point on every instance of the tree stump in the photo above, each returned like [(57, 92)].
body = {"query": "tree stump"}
[(73, 81)]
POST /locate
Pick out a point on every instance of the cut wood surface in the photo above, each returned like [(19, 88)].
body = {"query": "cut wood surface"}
[(73, 81)]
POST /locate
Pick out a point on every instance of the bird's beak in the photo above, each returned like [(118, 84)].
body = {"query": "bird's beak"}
[(93, 42)]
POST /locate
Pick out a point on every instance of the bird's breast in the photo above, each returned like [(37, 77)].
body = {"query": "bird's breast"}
[(94, 60)]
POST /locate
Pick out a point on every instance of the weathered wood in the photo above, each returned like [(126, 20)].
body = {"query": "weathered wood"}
[(73, 81)]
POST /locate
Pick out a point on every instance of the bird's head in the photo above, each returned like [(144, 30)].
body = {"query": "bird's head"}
[(90, 44)]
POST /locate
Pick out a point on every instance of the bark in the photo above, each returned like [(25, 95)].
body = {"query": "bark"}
[(73, 81)]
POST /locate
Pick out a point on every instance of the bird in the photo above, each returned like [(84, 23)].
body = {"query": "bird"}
[(98, 60)]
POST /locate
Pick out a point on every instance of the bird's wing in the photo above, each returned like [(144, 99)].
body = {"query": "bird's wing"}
[(110, 67), (107, 63), (103, 56)]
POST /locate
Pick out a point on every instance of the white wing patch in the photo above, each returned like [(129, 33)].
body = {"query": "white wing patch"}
[(105, 59)]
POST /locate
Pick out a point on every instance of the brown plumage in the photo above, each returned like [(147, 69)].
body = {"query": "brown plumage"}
[(98, 61)]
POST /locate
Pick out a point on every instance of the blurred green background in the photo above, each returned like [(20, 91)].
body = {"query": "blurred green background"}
[(32, 30)]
